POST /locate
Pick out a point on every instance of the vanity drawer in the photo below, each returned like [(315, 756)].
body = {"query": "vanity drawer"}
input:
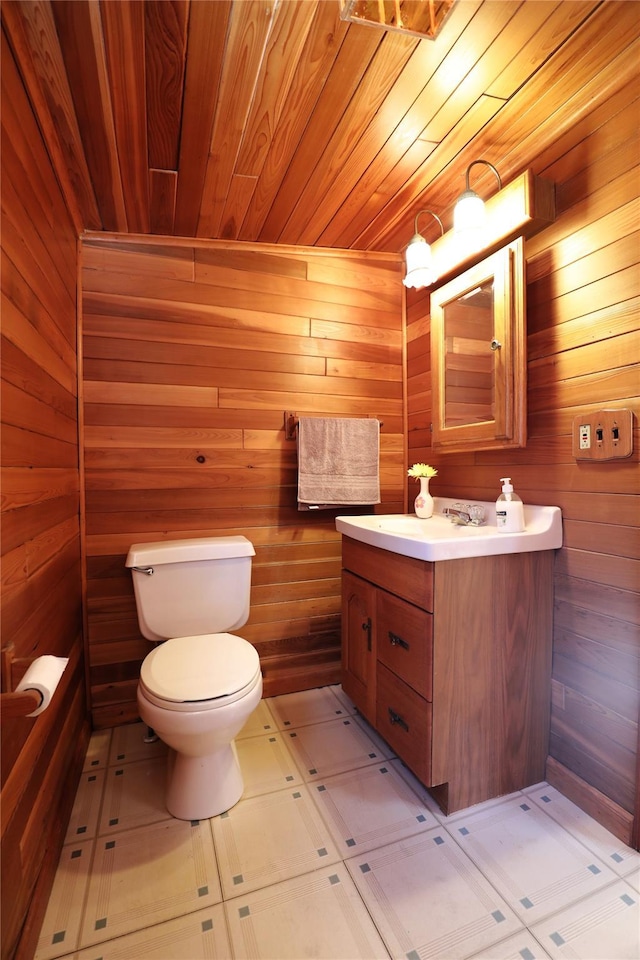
[(408, 578), (405, 641), (404, 720)]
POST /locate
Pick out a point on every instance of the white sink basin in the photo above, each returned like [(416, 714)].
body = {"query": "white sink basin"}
[(439, 539)]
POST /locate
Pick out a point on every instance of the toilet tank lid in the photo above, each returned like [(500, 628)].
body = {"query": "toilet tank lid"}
[(181, 551)]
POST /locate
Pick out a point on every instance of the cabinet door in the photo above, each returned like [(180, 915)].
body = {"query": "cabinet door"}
[(358, 643), (478, 356)]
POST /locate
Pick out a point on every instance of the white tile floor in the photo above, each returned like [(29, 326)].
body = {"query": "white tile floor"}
[(334, 851)]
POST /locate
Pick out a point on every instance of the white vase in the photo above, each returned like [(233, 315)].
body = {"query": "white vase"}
[(424, 500)]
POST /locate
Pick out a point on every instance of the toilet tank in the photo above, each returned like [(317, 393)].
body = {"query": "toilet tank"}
[(186, 588)]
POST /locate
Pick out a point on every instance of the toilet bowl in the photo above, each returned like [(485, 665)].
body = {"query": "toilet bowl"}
[(197, 691), (204, 777)]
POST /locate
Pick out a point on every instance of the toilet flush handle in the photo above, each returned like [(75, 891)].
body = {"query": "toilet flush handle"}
[(147, 570)]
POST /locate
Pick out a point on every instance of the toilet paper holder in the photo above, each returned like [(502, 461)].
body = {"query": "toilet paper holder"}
[(19, 703), (16, 703)]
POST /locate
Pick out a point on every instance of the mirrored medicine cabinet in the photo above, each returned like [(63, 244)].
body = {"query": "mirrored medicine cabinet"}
[(478, 355)]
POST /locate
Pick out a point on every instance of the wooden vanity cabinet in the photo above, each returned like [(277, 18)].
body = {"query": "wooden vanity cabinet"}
[(453, 668)]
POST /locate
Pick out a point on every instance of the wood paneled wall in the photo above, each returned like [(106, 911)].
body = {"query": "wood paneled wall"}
[(41, 571), (192, 354), (583, 300)]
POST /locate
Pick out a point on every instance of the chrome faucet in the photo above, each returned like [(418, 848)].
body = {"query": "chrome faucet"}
[(457, 516), (466, 514)]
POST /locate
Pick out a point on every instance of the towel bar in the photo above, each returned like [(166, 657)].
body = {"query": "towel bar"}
[(291, 423)]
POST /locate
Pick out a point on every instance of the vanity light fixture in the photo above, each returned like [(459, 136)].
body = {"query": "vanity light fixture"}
[(469, 213), (418, 260), (520, 209)]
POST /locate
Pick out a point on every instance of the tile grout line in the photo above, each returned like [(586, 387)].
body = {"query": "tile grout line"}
[(441, 824)]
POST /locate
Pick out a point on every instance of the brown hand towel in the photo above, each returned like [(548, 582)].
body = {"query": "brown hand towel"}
[(338, 462)]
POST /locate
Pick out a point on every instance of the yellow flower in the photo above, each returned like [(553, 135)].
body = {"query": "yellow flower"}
[(421, 470)]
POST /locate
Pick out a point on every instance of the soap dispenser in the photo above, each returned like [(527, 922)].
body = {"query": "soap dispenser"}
[(509, 509)]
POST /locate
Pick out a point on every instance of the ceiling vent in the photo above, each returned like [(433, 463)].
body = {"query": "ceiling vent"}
[(421, 18)]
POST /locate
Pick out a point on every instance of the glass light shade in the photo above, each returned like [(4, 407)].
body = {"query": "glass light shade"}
[(468, 213), (418, 261)]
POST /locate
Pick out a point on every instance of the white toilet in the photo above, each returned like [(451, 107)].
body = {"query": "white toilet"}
[(199, 686)]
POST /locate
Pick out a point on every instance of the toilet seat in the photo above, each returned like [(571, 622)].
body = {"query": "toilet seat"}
[(200, 673)]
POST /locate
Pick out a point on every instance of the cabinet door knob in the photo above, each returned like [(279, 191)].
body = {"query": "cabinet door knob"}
[(367, 627), (395, 718), (397, 641)]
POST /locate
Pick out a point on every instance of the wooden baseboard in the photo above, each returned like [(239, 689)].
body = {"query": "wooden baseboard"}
[(601, 808), (277, 682), (115, 715)]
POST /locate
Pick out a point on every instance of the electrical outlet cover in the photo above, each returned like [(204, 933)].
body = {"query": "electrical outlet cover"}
[(610, 434)]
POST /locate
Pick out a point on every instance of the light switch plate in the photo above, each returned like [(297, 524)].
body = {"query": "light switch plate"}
[(603, 434)]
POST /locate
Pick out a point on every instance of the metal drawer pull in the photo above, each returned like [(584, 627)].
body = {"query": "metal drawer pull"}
[(397, 641), (396, 718)]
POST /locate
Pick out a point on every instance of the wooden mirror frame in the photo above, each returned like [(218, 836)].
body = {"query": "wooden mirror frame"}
[(505, 425)]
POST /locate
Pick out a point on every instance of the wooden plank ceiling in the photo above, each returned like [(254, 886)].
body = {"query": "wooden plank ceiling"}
[(274, 120)]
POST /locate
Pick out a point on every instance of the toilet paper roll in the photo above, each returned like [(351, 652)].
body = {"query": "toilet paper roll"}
[(43, 675)]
